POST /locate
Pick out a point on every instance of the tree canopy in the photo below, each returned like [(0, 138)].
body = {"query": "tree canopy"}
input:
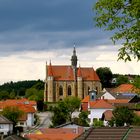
[(64, 109), (123, 18), (13, 113), (123, 115), (30, 89), (105, 76)]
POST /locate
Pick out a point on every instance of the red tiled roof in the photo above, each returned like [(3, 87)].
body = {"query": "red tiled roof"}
[(112, 101), (84, 106), (86, 99), (66, 73), (27, 108), (108, 115), (124, 88), (61, 130), (100, 104), (58, 136), (50, 72), (137, 113)]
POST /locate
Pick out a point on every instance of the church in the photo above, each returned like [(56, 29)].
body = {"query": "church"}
[(69, 80)]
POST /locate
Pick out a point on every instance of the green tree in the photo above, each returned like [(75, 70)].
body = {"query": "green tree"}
[(97, 123), (122, 79), (64, 109), (136, 120), (13, 113), (83, 118), (137, 82), (72, 103), (12, 94), (122, 115), (34, 94), (60, 114), (4, 95), (122, 17), (105, 76)]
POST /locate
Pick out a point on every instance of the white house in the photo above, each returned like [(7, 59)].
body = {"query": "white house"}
[(106, 95), (97, 108), (28, 107), (27, 120), (6, 126)]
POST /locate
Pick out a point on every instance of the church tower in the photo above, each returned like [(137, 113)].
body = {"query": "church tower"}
[(74, 63), (79, 84), (50, 84)]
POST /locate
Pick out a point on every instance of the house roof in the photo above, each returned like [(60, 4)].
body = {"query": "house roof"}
[(102, 93), (84, 106), (55, 136), (128, 96), (108, 115), (137, 113), (66, 73), (124, 88), (4, 120), (86, 99), (118, 101), (23, 104), (18, 101), (100, 103)]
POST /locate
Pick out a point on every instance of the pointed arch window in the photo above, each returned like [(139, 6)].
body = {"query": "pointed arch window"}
[(69, 90), (88, 90), (60, 91)]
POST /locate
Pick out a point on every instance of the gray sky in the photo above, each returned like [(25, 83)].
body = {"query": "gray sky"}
[(35, 31)]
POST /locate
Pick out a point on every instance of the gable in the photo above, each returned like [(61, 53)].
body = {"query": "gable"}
[(107, 95)]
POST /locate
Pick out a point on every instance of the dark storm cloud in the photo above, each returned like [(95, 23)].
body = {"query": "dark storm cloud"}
[(46, 24), (46, 14)]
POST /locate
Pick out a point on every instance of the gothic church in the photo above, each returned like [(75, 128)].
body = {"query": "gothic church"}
[(68, 80)]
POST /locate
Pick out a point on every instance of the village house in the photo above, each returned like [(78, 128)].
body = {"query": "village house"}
[(28, 107), (6, 126)]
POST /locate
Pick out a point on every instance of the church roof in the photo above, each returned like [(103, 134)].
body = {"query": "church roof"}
[(66, 73)]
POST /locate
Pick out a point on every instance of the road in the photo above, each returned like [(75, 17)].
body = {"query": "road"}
[(45, 122), (45, 119)]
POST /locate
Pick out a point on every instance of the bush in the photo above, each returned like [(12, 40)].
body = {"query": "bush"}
[(97, 123), (136, 120)]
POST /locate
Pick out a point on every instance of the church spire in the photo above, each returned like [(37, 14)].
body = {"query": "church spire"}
[(50, 73), (74, 59)]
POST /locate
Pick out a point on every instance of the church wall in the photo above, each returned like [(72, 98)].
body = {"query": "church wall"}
[(91, 85), (64, 85)]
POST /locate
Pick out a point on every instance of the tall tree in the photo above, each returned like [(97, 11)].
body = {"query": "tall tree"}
[(105, 76), (123, 115), (72, 103), (13, 113), (64, 109), (122, 17), (122, 79)]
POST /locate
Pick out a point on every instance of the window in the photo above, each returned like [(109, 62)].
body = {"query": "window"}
[(69, 90), (96, 90), (1, 126), (92, 96), (60, 90), (21, 123), (88, 90)]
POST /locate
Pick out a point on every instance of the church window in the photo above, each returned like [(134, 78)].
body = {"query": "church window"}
[(69, 90), (60, 90), (88, 90), (96, 90)]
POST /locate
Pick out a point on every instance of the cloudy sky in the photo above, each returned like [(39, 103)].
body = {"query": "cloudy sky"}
[(35, 31)]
